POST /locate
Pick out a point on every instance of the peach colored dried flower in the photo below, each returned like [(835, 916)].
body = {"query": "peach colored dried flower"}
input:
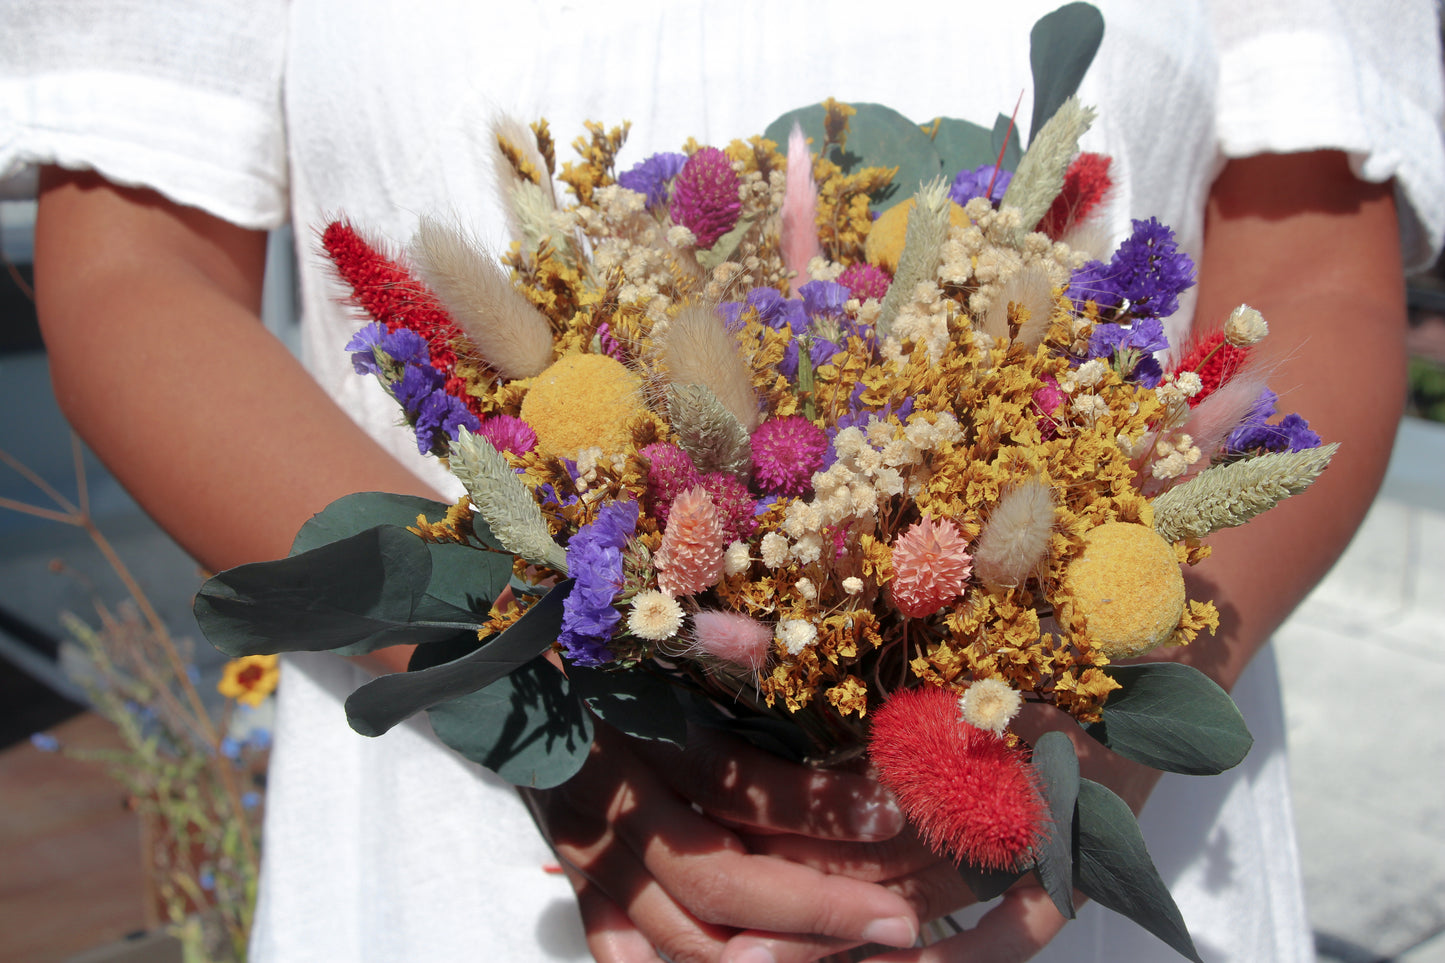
[(930, 567), (690, 559)]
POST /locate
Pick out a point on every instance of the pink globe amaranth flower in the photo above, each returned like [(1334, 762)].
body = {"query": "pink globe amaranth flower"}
[(690, 559), (1048, 398), (969, 794), (786, 453), (705, 196), (931, 566), (865, 281), (735, 506), (732, 637), (670, 472), (508, 433)]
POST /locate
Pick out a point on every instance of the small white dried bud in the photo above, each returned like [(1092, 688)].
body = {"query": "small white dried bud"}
[(853, 585), (796, 635), (1245, 327)]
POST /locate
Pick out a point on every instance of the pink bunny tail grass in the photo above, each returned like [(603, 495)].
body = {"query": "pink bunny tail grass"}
[(732, 637), (1215, 417), (798, 234)]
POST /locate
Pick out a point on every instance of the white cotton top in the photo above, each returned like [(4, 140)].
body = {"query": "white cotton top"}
[(395, 848)]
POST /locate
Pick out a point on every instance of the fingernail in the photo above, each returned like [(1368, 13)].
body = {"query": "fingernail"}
[(878, 816), (755, 954), (895, 931)]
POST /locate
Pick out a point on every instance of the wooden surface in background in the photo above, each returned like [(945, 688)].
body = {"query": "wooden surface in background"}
[(70, 858)]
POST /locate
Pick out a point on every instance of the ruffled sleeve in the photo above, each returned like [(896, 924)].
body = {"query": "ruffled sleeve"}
[(1361, 76), (181, 96)]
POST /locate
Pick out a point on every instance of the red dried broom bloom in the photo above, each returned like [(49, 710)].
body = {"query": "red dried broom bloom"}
[(1085, 184), (389, 293), (1214, 360), (971, 796)]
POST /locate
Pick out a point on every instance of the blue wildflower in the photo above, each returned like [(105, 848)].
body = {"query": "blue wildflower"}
[(231, 748), (974, 183), (207, 879), (652, 177), (45, 742), (250, 800), (594, 559)]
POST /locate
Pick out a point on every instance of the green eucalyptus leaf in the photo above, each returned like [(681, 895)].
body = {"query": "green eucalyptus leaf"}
[(962, 145), (1058, 770), (464, 578), (527, 727), (1113, 868), (352, 514), (353, 595), (384, 701), (1005, 141), (1061, 48), (1172, 717), (633, 701), (987, 884), (878, 136)]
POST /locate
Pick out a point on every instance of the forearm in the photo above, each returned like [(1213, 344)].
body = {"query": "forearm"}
[(160, 362), (1327, 276)]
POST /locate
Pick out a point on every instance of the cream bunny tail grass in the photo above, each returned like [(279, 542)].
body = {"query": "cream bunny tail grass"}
[(1016, 537), (1040, 175), (1229, 495), (512, 335), (798, 232), (522, 174), (698, 350), (1031, 290), (503, 501)]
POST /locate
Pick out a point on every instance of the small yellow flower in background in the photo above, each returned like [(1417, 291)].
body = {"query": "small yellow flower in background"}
[(250, 679)]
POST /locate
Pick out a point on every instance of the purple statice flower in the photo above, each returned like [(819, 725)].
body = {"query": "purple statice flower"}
[(403, 345), (652, 177), (1149, 271), (773, 310), (820, 352), (440, 419), (824, 299), (974, 183), (1132, 349), (608, 342), (1290, 433), (594, 560), (1088, 284)]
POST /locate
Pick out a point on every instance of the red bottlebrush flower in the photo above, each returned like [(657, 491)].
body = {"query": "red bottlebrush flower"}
[(1214, 360), (786, 452), (865, 281), (705, 196), (1085, 184), (734, 505), (970, 795)]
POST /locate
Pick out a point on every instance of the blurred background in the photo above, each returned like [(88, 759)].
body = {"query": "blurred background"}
[(1363, 662)]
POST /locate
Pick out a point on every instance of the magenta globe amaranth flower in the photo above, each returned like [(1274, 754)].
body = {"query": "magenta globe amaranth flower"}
[(786, 452), (705, 196)]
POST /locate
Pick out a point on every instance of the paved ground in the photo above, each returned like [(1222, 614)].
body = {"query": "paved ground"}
[(1363, 664)]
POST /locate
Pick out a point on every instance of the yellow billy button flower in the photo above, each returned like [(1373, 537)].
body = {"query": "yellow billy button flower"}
[(250, 679), (1125, 590)]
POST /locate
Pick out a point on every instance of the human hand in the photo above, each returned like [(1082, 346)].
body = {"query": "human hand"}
[(673, 853), (1025, 919)]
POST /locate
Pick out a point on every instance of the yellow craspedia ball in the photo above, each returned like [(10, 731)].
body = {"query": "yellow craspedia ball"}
[(1127, 587), (885, 238), (581, 401)]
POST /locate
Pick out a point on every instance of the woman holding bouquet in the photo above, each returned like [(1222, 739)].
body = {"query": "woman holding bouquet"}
[(172, 146)]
